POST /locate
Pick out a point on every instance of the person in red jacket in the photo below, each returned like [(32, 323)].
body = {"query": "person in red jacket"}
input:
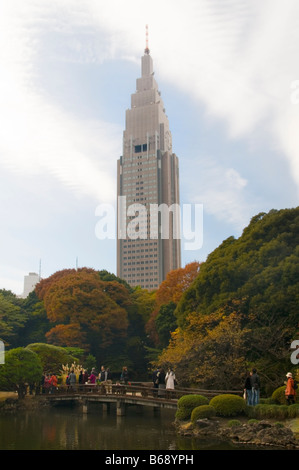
[(290, 392), (53, 383)]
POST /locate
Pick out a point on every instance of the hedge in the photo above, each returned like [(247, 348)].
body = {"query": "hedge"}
[(202, 412), (228, 405), (186, 405), (278, 396), (274, 411)]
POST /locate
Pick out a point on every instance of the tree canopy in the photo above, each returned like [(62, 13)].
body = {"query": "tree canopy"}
[(87, 311), (167, 296), (250, 287), (21, 367), (210, 321)]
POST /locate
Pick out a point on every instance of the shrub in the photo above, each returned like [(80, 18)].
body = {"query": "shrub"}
[(21, 367), (267, 401), (234, 422), (293, 411), (270, 411), (187, 403), (282, 412), (278, 396), (228, 405), (52, 357), (202, 412)]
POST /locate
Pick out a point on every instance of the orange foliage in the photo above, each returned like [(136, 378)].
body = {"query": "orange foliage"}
[(66, 335), (171, 290), (42, 287), (83, 305), (176, 282)]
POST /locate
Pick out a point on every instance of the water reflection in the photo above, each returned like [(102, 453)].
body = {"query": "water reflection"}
[(69, 428)]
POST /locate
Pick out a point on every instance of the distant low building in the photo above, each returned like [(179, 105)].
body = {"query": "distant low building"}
[(30, 282)]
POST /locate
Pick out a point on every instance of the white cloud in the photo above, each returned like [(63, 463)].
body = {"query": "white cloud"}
[(234, 58), (221, 191), (238, 58), (38, 135)]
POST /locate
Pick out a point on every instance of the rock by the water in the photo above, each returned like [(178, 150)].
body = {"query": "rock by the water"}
[(255, 433), (263, 433)]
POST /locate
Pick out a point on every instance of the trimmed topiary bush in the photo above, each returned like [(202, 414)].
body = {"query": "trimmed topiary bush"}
[(228, 405), (267, 401), (270, 411), (278, 396), (293, 411), (202, 412), (186, 405)]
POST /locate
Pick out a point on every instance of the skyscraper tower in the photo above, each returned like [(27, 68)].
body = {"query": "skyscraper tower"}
[(148, 243)]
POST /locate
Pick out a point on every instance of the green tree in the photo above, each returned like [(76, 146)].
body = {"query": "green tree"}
[(52, 357), (37, 323), (12, 320), (166, 323), (22, 367), (258, 275)]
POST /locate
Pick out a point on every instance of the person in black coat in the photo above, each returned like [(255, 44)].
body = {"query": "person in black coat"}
[(162, 385), (248, 389)]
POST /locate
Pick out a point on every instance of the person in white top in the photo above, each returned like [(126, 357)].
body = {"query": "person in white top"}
[(170, 380)]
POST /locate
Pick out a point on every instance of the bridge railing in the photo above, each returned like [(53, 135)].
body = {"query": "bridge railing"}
[(137, 390)]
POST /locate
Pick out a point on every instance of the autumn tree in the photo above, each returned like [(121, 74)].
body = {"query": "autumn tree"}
[(258, 275), (87, 312), (169, 293), (211, 351)]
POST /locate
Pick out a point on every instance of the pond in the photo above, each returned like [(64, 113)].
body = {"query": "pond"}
[(66, 428)]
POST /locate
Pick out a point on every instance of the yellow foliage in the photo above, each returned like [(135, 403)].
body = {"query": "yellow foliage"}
[(66, 369)]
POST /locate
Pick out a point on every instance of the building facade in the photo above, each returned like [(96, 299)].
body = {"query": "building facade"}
[(148, 241), (30, 282)]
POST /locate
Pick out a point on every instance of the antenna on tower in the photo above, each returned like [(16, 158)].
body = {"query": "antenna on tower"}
[(146, 50)]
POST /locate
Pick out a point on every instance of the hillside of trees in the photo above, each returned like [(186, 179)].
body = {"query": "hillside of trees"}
[(210, 321), (242, 310)]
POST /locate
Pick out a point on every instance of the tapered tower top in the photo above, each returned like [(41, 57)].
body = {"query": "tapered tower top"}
[(146, 50)]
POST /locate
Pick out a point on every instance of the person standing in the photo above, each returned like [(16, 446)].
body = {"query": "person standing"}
[(47, 384), (248, 389), (92, 378), (72, 379), (102, 377), (290, 391), (170, 379), (108, 380), (255, 387), (124, 378), (81, 378), (53, 383), (85, 377), (161, 386), (155, 381)]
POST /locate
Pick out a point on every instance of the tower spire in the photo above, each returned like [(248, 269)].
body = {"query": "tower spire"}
[(146, 50)]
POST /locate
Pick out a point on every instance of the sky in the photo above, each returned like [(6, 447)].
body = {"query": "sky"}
[(228, 72)]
